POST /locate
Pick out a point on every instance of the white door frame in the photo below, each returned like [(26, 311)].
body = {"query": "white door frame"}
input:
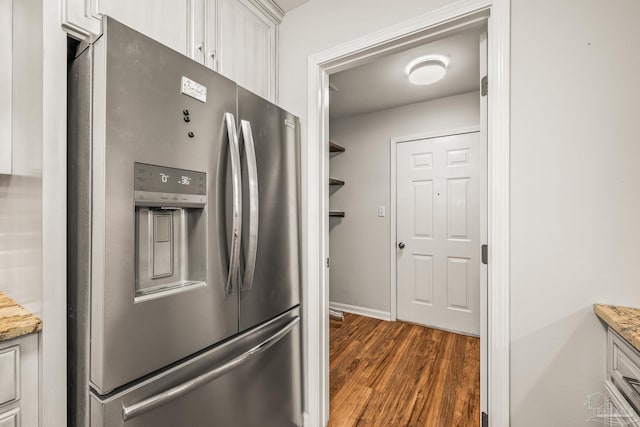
[(315, 156), (393, 253)]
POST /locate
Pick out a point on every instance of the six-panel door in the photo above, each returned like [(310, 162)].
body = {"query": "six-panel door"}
[(438, 205)]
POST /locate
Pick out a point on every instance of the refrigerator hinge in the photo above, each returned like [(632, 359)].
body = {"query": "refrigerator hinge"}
[(484, 86), (485, 254), (485, 420), (327, 262)]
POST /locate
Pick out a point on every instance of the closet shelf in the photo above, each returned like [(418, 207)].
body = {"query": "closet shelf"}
[(337, 214), (335, 148), (334, 181)]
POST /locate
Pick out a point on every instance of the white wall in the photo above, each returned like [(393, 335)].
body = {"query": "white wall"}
[(575, 199), (360, 242), (575, 203)]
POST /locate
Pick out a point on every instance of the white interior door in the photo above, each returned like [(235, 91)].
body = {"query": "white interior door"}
[(438, 231)]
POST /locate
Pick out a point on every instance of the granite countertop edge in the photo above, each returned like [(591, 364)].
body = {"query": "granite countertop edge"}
[(624, 320), (15, 320)]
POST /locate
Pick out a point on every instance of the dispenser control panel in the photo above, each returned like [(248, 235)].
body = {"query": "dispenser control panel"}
[(161, 185)]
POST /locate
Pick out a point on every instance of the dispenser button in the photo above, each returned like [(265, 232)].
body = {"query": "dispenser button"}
[(162, 245), (162, 228)]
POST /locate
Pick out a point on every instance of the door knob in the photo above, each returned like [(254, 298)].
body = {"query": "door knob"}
[(401, 245)]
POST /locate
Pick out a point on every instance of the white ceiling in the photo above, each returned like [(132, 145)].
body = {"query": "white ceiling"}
[(383, 84), (287, 5)]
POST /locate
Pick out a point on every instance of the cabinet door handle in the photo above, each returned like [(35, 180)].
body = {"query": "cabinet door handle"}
[(213, 61)]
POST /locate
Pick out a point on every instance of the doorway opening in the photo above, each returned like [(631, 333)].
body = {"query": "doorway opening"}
[(407, 219), (418, 31)]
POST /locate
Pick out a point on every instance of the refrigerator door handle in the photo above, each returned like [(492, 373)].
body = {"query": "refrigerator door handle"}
[(131, 411), (236, 178), (254, 202)]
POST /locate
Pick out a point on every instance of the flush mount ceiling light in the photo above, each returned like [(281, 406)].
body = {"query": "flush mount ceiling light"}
[(427, 69)]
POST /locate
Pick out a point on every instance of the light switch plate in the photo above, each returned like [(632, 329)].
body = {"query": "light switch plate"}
[(382, 211)]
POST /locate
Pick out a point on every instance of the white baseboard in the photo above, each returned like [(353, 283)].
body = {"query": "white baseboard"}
[(362, 311)]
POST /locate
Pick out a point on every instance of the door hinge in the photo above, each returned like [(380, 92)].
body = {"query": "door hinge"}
[(327, 262), (485, 254), (485, 420), (484, 86)]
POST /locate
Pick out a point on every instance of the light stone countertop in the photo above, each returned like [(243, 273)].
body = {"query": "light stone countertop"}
[(624, 320), (15, 320)]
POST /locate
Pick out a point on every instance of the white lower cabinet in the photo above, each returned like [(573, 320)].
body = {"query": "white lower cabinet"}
[(620, 413), (623, 378), (19, 382)]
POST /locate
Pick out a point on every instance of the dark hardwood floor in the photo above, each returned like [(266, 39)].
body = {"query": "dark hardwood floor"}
[(396, 374)]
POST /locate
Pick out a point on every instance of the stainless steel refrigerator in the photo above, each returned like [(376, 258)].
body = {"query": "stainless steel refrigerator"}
[(184, 245)]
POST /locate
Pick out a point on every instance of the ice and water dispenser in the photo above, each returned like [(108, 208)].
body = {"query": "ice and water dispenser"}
[(170, 230)]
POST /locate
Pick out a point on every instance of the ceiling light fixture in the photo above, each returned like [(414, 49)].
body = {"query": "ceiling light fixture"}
[(427, 69)]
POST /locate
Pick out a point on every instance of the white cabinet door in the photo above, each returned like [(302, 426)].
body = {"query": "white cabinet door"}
[(616, 411), (237, 38), (210, 49), (166, 21), (178, 24), (19, 382), (247, 39)]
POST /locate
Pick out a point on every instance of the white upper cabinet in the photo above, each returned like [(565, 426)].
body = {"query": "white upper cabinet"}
[(167, 21), (247, 43), (170, 22), (237, 38)]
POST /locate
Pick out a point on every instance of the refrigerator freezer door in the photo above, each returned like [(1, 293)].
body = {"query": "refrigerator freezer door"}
[(275, 287), (152, 106), (252, 380)]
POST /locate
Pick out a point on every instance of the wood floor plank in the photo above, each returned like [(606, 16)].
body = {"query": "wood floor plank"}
[(395, 374), (349, 408)]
